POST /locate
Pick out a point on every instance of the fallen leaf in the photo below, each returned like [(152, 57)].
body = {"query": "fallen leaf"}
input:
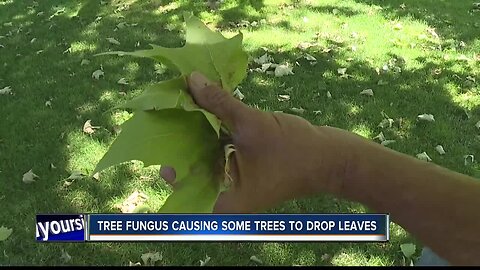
[(387, 142), (33, 40), (265, 58), (238, 94), (317, 112), (5, 233), (304, 45), (424, 156), (76, 175), (298, 110), (8, 24), (134, 200), (380, 137), (48, 103), (255, 259), (426, 117), (113, 41), (387, 122), (151, 258), (85, 62), (122, 81), (6, 90), (466, 157), (342, 71), (96, 176), (97, 73), (283, 70), (134, 264), (204, 262), (329, 95), (52, 167), (367, 92), (122, 25), (88, 128), (477, 125), (29, 177), (39, 52), (440, 149), (310, 57), (408, 250), (325, 257), (286, 98), (65, 256)]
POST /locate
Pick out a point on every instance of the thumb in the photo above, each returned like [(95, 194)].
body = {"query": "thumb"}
[(215, 100)]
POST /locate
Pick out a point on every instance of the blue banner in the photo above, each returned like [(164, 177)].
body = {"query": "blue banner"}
[(60, 228), (238, 227)]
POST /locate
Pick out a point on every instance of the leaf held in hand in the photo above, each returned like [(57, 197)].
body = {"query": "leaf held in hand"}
[(408, 250), (168, 128)]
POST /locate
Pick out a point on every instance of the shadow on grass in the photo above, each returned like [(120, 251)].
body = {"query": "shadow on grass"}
[(63, 80)]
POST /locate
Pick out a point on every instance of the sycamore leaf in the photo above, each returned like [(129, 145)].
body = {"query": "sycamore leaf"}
[(175, 142), (298, 110), (122, 81), (424, 156), (113, 41), (204, 262), (5, 233), (133, 202), (255, 259), (29, 177), (65, 256), (283, 97), (76, 175), (426, 117), (466, 158), (440, 149), (408, 250), (151, 258), (88, 128), (367, 92), (238, 94), (283, 70), (97, 74), (6, 90), (218, 58), (168, 95)]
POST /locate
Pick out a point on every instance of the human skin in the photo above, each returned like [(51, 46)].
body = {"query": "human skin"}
[(280, 157)]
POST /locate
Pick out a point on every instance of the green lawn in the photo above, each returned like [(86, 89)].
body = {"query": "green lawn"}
[(43, 43)]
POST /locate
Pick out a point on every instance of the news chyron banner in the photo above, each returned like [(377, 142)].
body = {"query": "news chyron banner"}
[(213, 227)]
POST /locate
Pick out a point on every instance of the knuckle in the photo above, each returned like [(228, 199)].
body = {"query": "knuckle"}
[(216, 96)]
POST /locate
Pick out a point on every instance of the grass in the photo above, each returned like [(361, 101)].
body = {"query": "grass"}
[(33, 136)]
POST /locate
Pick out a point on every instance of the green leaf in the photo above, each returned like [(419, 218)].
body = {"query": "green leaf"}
[(5, 233), (167, 95), (408, 249), (170, 137), (218, 58)]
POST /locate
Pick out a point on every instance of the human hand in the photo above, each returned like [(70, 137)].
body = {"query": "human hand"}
[(277, 156)]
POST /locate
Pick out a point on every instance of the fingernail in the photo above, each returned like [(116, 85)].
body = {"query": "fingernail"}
[(197, 81)]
